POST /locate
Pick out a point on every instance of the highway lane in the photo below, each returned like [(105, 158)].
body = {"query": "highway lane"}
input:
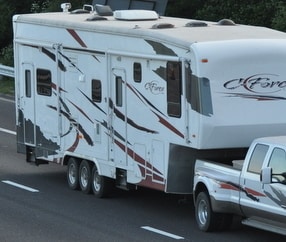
[(53, 212)]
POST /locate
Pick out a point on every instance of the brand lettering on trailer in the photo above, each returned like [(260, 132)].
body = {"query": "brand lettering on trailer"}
[(154, 88), (259, 83)]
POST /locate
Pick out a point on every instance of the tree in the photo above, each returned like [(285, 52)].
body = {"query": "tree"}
[(279, 22), (268, 13), (10, 8)]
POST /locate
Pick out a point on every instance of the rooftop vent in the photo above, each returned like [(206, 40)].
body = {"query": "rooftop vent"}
[(103, 10), (96, 18), (226, 22), (135, 15), (163, 26), (196, 24)]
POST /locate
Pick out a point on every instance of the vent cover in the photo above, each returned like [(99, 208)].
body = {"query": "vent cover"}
[(163, 26), (226, 22), (196, 24), (96, 18), (135, 15), (103, 10)]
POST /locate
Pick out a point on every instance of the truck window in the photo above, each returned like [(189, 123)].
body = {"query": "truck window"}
[(174, 80), (44, 82), (96, 90), (257, 158), (278, 161)]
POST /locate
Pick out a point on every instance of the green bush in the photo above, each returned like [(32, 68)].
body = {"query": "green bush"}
[(6, 57)]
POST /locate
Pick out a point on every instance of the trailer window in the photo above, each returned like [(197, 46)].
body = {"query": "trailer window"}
[(137, 72), (96, 90), (119, 90), (44, 82), (174, 79), (28, 87), (257, 158)]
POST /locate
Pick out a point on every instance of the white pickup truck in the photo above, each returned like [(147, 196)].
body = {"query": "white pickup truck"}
[(254, 188)]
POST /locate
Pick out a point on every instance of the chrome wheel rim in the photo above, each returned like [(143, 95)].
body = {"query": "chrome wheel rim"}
[(84, 176), (202, 212), (72, 174)]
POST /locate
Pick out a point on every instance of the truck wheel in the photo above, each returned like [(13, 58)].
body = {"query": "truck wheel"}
[(72, 173), (101, 186), (85, 176), (205, 217)]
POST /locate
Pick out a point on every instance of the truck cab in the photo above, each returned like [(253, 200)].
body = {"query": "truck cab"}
[(263, 182)]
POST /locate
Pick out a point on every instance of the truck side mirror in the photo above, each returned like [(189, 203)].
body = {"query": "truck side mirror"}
[(266, 175)]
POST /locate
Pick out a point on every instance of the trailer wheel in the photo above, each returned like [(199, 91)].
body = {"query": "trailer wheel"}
[(85, 176), (101, 186), (72, 173), (205, 217)]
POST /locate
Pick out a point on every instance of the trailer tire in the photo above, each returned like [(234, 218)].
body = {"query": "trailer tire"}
[(85, 176), (101, 186), (205, 217), (72, 173)]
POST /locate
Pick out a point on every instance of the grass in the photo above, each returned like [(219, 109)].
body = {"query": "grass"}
[(7, 86)]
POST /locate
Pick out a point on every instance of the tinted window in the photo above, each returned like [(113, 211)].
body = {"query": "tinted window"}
[(174, 88), (137, 72), (119, 90), (96, 90), (44, 82), (28, 87), (278, 161), (257, 158)]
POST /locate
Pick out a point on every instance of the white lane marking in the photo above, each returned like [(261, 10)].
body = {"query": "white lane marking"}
[(20, 186), (8, 131), (158, 231), (7, 100)]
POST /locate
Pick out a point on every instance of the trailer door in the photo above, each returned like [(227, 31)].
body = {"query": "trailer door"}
[(27, 106), (118, 120)]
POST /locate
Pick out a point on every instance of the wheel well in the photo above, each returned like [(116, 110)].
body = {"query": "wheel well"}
[(66, 160), (200, 187)]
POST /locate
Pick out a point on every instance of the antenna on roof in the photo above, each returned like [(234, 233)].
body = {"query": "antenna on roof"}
[(65, 7)]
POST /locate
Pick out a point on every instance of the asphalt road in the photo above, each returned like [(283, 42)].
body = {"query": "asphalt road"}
[(37, 205)]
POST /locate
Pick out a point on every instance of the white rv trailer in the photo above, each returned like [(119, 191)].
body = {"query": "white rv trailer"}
[(135, 98)]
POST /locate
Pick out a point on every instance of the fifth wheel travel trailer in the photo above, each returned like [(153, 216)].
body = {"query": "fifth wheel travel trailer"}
[(131, 98)]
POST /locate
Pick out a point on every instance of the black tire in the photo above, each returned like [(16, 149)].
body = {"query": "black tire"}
[(72, 173), (85, 176), (206, 219), (101, 186)]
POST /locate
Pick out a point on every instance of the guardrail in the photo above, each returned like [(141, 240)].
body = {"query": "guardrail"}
[(7, 71)]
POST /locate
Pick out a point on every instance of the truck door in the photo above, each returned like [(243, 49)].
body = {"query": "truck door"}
[(251, 193), (118, 119), (275, 200), (264, 201)]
